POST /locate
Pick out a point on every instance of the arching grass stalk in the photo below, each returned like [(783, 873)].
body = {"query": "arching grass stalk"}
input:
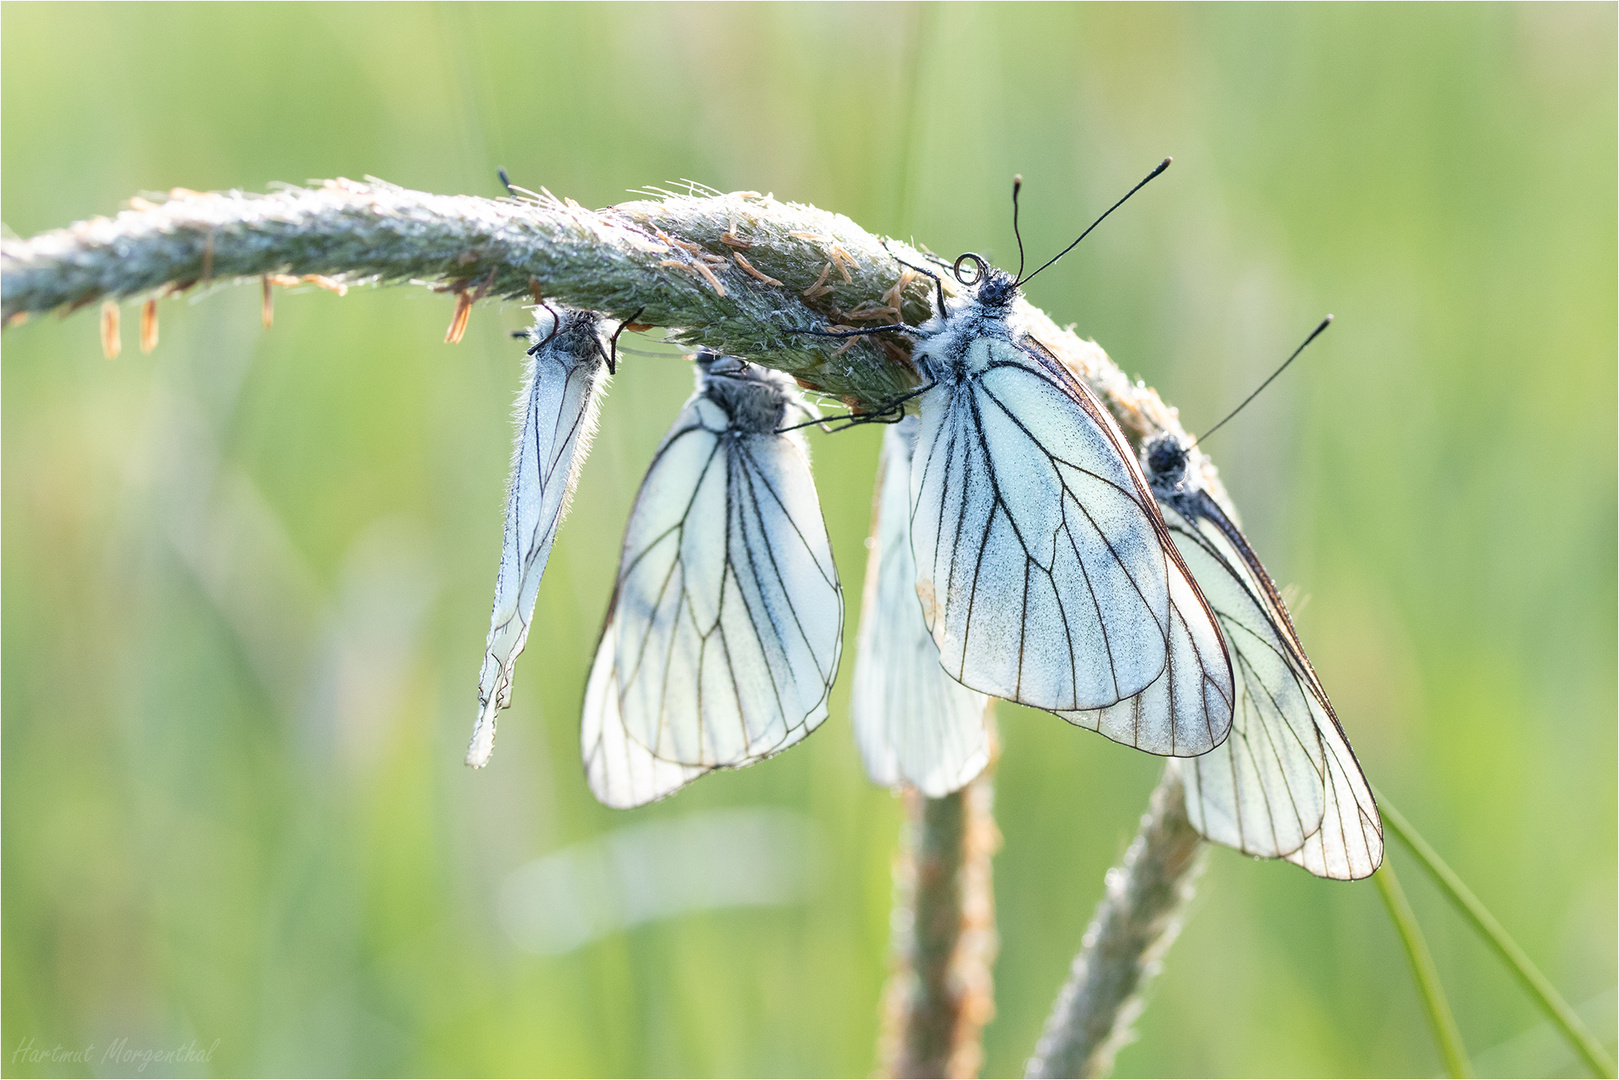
[(1445, 1033), (1536, 984), (1135, 923), (741, 274)]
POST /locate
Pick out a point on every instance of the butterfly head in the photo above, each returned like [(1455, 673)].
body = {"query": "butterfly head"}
[(755, 398), (570, 333), (992, 288), (1164, 461), (998, 290)]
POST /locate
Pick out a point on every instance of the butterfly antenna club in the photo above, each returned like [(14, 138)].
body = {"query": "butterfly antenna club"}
[(1162, 165), (512, 189), (1017, 186), (1317, 332)]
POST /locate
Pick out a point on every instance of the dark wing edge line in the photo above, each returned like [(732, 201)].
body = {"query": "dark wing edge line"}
[(1208, 508), (1081, 394)]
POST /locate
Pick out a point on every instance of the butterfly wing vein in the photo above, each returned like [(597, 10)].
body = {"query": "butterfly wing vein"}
[(1285, 783), (725, 629), (913, 723)]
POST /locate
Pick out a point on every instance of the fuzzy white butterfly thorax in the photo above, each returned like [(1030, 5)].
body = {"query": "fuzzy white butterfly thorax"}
[(1045, 572), (724, 633), (556, 418)]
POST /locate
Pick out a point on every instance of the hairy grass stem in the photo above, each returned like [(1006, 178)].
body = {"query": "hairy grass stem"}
[(1137, 920), (940, 992)]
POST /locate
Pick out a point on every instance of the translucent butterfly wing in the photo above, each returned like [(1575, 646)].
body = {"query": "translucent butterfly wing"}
[(556, 419), (1349, 844), (1262, 791), (1044, 569), (1285, 783), (1188, 709), (730, 611), (727, 619), (913, 723), (621, 771)]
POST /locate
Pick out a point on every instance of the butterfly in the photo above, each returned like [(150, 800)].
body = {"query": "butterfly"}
[(556, 412), (913, 723), (1285, 784), (1044, 569), (725, 628)]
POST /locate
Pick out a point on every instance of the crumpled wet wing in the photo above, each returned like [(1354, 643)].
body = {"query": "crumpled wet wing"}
[(556, 413)]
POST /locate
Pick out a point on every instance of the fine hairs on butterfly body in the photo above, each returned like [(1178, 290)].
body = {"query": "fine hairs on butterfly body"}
[(725, 628), (1045, 572), (556, 411)]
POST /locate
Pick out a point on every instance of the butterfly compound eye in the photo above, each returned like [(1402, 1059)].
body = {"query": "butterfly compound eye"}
[(1166, 458), (996, 289)]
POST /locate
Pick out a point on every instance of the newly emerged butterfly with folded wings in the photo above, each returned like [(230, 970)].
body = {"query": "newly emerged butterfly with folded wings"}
[(568, 366), (724, 632), (1045, 571), (1285, 783), (913, 723)]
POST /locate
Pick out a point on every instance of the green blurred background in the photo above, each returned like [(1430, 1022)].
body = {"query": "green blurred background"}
[(246, 579)]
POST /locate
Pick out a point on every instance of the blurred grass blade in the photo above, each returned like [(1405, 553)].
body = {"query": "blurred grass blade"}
[(1538, 986), (1445, 1034)]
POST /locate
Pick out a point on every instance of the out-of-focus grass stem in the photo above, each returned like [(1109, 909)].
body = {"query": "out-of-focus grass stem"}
[(1536, 984), (1137, 920), (940, 994), (1446, 1036)]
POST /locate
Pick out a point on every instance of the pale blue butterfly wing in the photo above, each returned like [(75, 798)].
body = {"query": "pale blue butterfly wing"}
[(1045, 571), (1285, 784), (913, 723), (1188, 708), (726, 623), (621, 771), (556, 418), (1349, 844)]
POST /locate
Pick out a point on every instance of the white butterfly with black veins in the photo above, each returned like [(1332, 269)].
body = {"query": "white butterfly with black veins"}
[(723, 636), (914, 724), (556, 409), (1285, 784), (1044, 568)]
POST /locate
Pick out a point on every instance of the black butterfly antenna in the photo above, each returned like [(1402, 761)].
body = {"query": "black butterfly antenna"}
[(612, 358), (1313, 335), (1017, 186), (1021, 280), (511, 188)]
